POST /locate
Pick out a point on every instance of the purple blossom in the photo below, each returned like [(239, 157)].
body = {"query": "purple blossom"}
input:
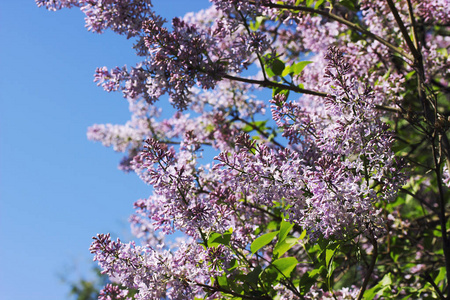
[(113, 292), (332, 172), (123, 17)]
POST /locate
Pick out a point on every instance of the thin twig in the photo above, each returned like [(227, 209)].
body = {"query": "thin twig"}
[(388, 108), (271, 84), (371, 268), (413, 24), (337, 18), (430, 280), (221, 289), (404, 31), (257, 53), (264, 134), (442, 203)]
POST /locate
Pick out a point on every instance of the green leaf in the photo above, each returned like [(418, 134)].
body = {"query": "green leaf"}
[(215, 239), (253, 276), (350, 4), (297, 68), (210, 128), (222, 280), (262, 241), (261, 125), (268, 65), (285, 227), (283, 246), (380, 287), (287, 70), (277, 67), (307, 281), (285, 266), (323, 243), (302, 235), (408, 76), (233, 264), (329, 253), (273, 225), (316, 272), (440, 276), (255, 25), (268, 277), (269, 71), (394, 256), (247, 128)]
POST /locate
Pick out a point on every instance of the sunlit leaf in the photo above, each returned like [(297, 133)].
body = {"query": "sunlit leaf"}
[(262, 241)]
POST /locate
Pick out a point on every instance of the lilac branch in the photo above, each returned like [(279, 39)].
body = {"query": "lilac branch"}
[(413, 23), (442, 202), (271, 84), (430, 280), (418, 59), (370, 270), (388, 108), (257, 53), (221, 289), (404, 31), (264, 134), (349, 24)]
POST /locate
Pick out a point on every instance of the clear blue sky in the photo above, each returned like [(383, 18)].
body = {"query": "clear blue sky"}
[(57, 189)]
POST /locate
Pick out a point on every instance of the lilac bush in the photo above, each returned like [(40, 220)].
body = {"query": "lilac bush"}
[(340, 193)]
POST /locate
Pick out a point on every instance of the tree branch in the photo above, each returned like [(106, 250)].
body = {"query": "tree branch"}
[(442, 202), (430, 280), (341, 20), (404, 31), (221, 289), (370, 270), (271, 84)]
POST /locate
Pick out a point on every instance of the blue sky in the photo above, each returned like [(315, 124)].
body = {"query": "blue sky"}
[(57, 189)]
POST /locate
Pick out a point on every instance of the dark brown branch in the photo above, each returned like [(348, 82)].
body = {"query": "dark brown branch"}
[(349, 24), (404, 31), (442, 203), (388, 108), (413, 24), (221, 289), (430, 280), (370, 270), (271, 84), (421, 201), (259, 131)]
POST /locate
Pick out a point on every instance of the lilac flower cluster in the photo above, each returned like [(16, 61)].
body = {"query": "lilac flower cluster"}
[(132, 82), (128, 137), (184, 198), (347, 151), (123, 17), (113, 292), (436, 10), (153, 273), (331, 174), (179, 56), (191, 54), (187, 55), (212, 125)]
